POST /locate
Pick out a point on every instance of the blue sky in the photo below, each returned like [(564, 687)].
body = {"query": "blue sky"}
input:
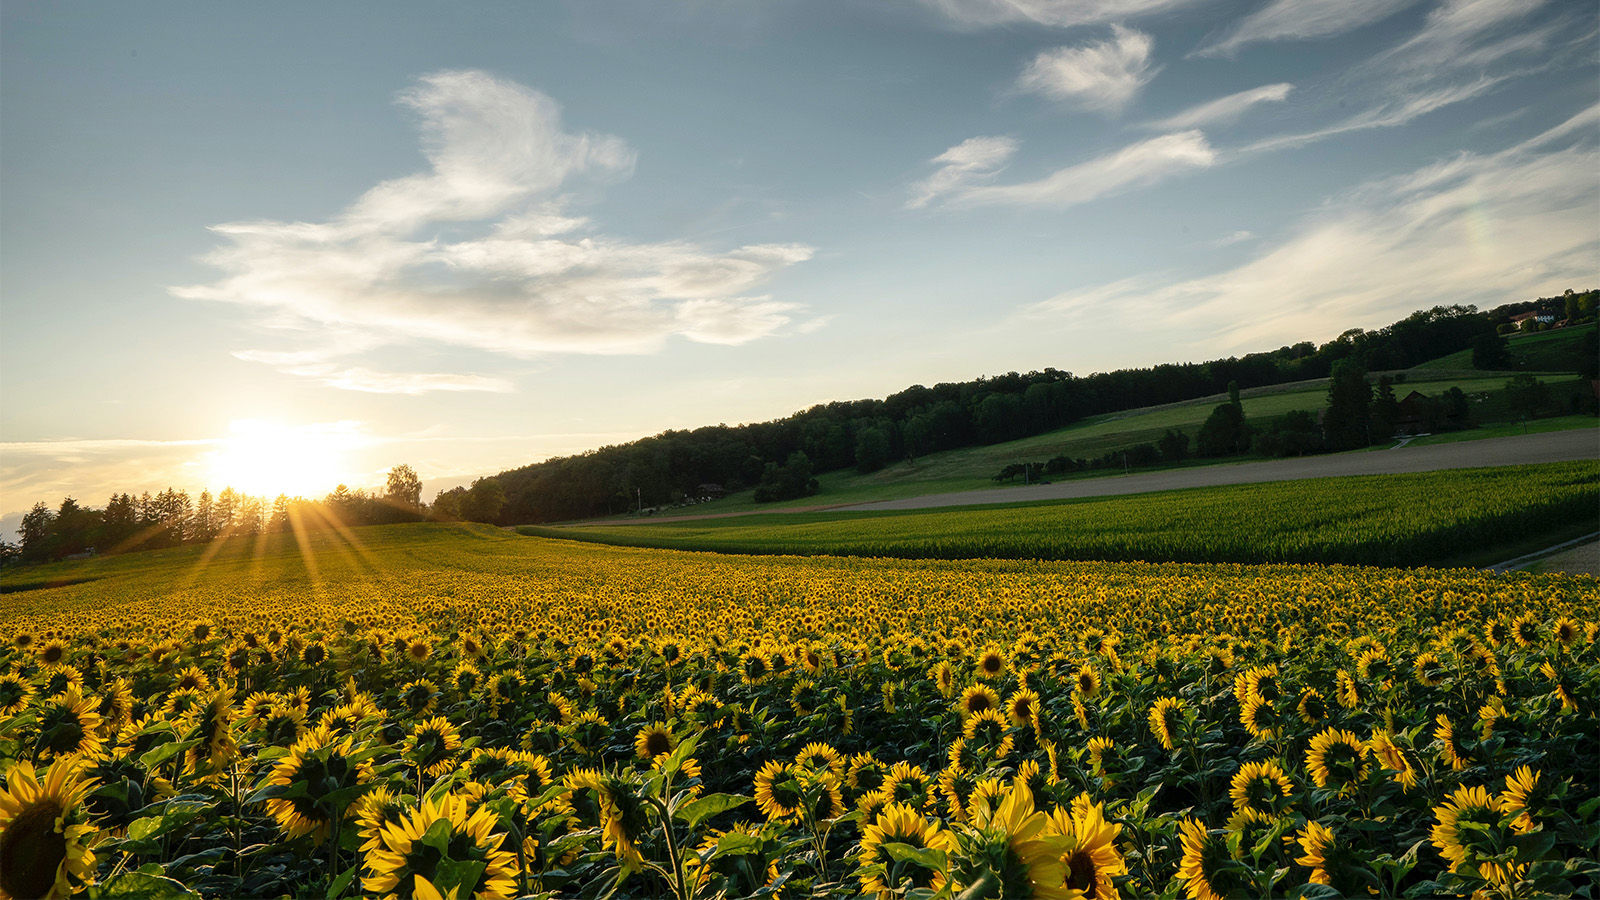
[(468, 238)]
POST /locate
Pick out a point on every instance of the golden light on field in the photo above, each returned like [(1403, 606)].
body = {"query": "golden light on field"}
[(270, 458)]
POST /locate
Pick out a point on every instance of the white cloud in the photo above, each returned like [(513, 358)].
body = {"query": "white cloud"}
[(1294, 20), (1136, 165), (525, 276), (1471, 229), (1223, 110), (1102, 76), (1054, 13), (1464, 50), (972, 160)]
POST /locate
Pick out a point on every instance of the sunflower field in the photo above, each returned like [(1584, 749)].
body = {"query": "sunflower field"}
[(455, 711)]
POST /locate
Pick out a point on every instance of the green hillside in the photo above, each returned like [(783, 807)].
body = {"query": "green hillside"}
[(1544, 351), (972, 468)]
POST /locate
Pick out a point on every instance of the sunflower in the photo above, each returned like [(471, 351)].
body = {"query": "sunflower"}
[(1526, 631), (943, 679), (898, 823), (1313, 707), (588, 733), (1103, 759), (1525, 797), (777, 793), (59, 678), (1562, 686), (420, 696), (654, 740), (432, 746), (1451, 749), (1428, 669), (865, 773), (909, 785), (327, 766), (68, 724), (1347, 689), (1166, 720), (52, 653), (1259, 717), (1331, 861), (988, 732), (192, 679), (754, 667), (1206, 869), (1086, 682), (419, 650), (622, 816), (1012, 852), (1022, 708), (817, 756), (1467, 804), (407, 858), (1337, 759), (464, 678), (46, 841), (956, 784), (1567, 630), (378, 809), (1261, 786), (213, 728), (1389, 754), (990, 664), (282, 725), (15, 692), (976, 699), (1090, 861)]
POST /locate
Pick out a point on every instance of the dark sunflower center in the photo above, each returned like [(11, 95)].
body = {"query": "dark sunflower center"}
[(66, 737), (1080, 872), (53, 655), (978, 703), (657, 743), (31, 851), (991, 664)]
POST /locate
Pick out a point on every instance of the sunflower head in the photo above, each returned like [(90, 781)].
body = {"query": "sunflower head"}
[(68, 724), (432, 746), (1207, 870), (1166, 721), (1337, 759), (46, 841), (654, 740), (976, 699), (411, 853), (1261, 786), (881, 874)]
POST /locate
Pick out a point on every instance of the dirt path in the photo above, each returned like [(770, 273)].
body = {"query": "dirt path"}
[(1555, 446)]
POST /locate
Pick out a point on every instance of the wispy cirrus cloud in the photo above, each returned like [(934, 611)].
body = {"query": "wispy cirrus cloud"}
[(1053, 13), (1468, 229), (971, 161), (1297, 20), (524, 276), (1222, 110), (1465, 49), (1137, 165), (1101, 75)]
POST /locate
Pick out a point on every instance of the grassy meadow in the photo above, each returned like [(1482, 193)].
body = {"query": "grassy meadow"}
[(452, 710)]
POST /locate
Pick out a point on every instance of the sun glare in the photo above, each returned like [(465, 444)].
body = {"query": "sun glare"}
[(269, 458)]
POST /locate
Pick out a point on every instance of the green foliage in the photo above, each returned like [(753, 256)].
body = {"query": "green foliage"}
[(1346, 421)]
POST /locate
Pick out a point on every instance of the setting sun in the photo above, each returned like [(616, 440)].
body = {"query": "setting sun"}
[(270, 458)]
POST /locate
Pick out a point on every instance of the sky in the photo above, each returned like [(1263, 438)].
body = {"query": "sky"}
[(284, 246)]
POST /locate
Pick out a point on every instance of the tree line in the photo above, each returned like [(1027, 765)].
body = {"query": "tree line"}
[(779, 457), (172, 518)]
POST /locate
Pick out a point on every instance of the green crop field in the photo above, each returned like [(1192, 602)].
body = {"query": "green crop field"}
[(1373, 520)]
